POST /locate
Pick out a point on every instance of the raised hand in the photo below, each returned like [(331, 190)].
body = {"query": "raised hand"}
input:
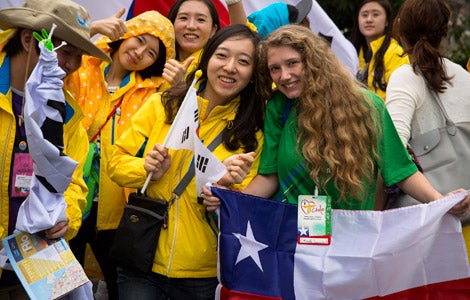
[(112, 27), (238, 166), (174, 72)]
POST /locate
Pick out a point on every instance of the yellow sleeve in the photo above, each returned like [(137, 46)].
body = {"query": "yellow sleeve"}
[(76, 147), (126, 165)]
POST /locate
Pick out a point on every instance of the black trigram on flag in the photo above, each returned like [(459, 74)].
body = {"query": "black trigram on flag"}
[(201, 163), (196, 115), (185, 135)]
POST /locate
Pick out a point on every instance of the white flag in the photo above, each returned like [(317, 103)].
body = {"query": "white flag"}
[(183, 135), (322, 24), (208, 167), (44, 108), (183, 129)]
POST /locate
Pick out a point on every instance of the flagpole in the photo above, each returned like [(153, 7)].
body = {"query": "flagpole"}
[(197, 75)]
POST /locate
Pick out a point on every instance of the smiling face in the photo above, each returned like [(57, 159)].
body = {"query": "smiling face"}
[(372, 21), (138, 52), (229, 69), (286, 69), (193, 27)]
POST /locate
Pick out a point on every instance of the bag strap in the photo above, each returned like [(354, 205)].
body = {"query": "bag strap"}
[(450, 125), (95, 137), (191, 172)]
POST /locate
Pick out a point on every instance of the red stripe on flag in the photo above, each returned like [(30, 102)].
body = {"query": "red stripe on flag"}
[(223, 13), (455, 289), (163, 6), (226, 294)]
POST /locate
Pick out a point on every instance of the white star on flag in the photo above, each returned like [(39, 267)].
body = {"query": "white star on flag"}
[(250, 247), (303, 230)]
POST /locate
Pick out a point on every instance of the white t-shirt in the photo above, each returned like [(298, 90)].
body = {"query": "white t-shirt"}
[(413, 108)]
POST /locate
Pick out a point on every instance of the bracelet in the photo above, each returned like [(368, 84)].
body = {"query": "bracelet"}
[(231, 2)]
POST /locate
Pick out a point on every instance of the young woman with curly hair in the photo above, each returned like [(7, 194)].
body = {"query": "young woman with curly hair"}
[(322, 129)]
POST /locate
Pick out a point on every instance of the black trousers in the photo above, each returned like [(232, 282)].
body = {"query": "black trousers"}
[(100, 243)]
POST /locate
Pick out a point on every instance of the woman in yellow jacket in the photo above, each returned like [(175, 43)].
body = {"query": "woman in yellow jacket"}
[(195, 21), (109, 94), (185, 263), (379, 53)]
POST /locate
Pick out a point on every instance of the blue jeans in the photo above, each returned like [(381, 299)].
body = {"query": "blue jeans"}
[(134, 285)]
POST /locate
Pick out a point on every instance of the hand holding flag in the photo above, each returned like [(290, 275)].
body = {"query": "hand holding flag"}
[(44, 116), (183, 135), (238, 166), (44, 109), (188, 111), (158, 160)]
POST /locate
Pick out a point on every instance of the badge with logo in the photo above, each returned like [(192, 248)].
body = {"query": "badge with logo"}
[(314, 219), (22, 174)]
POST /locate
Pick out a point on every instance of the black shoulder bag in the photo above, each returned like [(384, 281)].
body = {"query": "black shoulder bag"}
[(137, 235)]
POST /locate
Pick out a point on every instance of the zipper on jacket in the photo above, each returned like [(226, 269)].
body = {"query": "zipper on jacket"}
[(5, 146), (173, 239)]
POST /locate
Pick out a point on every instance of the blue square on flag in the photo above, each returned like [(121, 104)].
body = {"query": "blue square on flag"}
[(258, 245)]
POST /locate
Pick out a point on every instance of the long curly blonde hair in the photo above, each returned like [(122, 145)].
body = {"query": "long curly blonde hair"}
[(337, 122)]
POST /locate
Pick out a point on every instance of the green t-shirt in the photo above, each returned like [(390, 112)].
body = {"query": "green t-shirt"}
[(280, 155)]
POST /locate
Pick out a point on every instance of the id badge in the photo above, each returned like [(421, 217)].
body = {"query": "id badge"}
[(22, 174), (314, 220)]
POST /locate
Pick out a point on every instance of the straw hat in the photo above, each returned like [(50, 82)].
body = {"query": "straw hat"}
[(72, 20)]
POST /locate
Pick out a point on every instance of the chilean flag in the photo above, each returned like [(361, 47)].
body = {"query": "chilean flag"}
[(415, 252)]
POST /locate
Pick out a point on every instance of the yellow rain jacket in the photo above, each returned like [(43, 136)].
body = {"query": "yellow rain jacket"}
[(89, 87), (188, 247), (393, 58), (75, 143)]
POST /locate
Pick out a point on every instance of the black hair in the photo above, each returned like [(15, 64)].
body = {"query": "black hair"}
[(156, 69), (249, 117), (15, 46), (176, 7), (359, 41)]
